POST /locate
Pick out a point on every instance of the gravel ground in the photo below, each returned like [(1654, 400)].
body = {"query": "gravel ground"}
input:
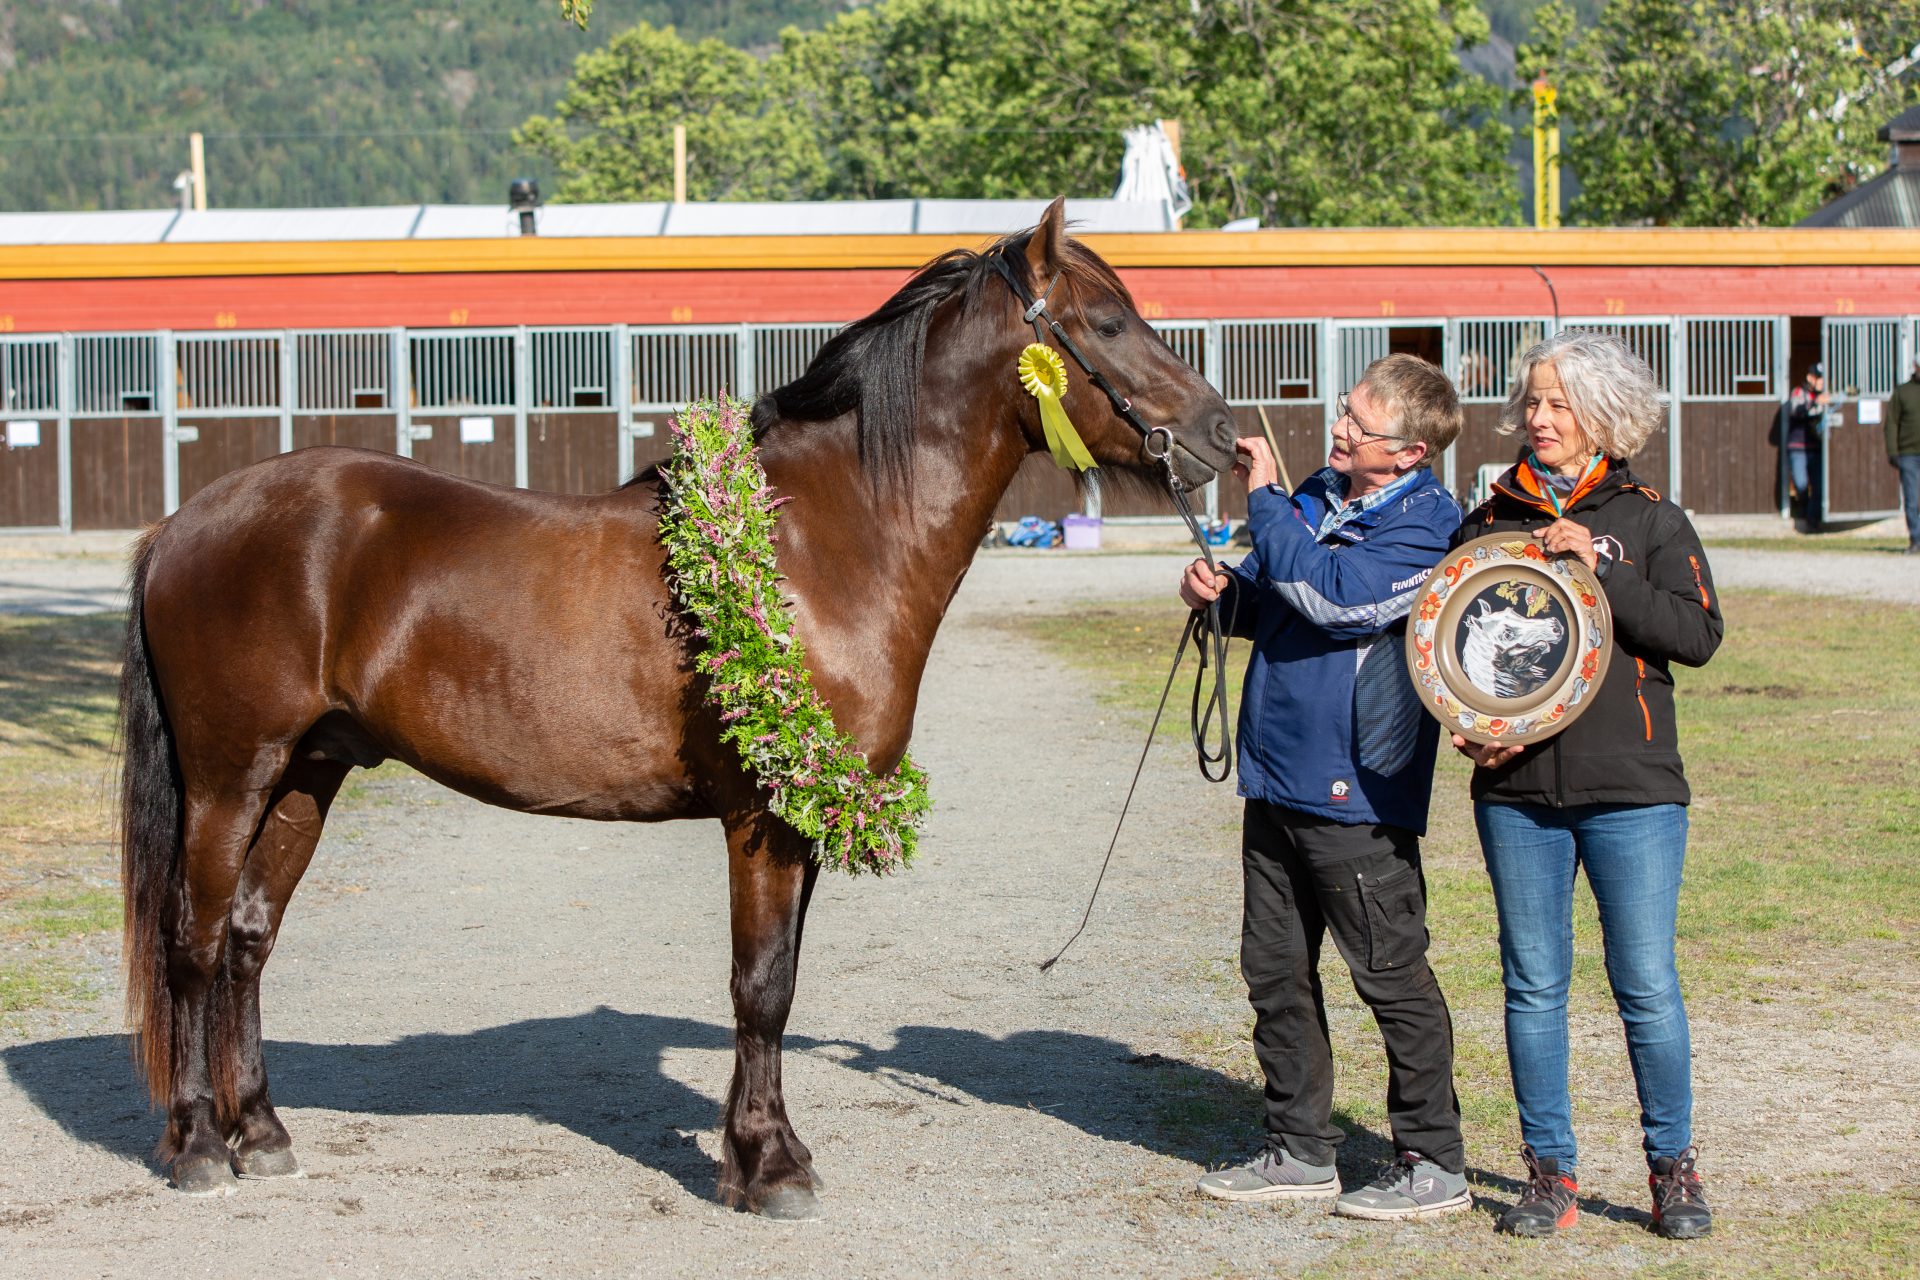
[(500, 1041)]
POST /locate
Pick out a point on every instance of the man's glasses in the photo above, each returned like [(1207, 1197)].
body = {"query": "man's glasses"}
[(1343, 408)]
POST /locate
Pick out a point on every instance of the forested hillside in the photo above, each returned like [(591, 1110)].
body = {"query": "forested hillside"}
[(303, 102)]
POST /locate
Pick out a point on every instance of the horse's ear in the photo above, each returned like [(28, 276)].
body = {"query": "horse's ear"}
[(1047, 247)]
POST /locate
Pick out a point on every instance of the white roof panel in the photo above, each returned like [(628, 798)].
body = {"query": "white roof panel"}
[(999, 217), (791, 218), (254, 226), (465, 222), (647, 219), (130, 226), (491, 222)]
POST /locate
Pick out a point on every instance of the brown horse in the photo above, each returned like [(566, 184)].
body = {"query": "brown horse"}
[(334, 607)]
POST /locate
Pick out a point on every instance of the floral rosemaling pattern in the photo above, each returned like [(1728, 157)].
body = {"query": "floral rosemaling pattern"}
[(718, 526)]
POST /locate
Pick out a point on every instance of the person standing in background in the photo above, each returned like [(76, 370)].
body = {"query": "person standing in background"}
[(1806, 426), (1903, 451)]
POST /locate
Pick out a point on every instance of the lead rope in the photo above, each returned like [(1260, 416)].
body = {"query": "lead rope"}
[(1202, 626), (1210, 641)]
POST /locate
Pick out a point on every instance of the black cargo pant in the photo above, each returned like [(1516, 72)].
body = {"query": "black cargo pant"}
[(1306, 876)]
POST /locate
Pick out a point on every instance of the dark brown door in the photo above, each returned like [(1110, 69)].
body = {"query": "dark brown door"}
[(1728, 465), (118, 471), (30, 474), (360, 430), (475, 457), (573, 451), (220, 445)]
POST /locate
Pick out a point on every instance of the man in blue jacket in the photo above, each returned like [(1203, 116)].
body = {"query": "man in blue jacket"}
[(1336, 765)]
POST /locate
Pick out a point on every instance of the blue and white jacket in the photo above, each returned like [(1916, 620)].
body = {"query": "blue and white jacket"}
[(1330, 723)]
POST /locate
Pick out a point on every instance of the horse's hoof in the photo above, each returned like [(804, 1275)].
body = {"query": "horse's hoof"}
[(204, 1177), (790, 1204), (268, 1164)]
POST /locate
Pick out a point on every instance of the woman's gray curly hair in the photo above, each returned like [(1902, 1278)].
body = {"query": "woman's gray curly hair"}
[(1612, 393)]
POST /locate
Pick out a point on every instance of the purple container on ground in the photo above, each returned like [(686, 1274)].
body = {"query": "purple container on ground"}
[(1082, 533)]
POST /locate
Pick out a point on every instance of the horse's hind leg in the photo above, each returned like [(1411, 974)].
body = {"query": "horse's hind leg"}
[(764, 1165), (218, 827), (279, 857)]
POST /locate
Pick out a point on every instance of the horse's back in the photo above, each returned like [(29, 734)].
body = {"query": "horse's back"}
[(495, 638)]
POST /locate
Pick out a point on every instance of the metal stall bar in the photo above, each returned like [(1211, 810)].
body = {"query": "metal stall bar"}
[(1862, 358), (574, 424), (1655, 340), (670, 365), (472, 377), (781, 352), (1734, 381), (343, 389), (33, 434)]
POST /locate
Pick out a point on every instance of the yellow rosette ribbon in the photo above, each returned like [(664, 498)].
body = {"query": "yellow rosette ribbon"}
[(1045, 377)]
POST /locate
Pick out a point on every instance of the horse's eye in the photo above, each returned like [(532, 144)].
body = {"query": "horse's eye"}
[(1112, 328)]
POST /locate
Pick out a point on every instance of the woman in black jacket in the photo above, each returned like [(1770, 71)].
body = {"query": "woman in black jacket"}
[(1608, 793)]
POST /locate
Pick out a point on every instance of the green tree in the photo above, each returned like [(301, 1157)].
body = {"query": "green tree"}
[(1346, 112), (1721, 113), (611, 136), (1333, 112), (984, 98)]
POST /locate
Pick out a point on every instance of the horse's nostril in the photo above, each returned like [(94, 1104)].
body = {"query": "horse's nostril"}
[(1224, 434)]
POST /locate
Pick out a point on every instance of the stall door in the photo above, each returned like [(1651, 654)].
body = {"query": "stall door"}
[(1863, 368)]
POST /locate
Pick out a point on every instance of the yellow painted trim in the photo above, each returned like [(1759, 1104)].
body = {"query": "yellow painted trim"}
[(1367, 247)]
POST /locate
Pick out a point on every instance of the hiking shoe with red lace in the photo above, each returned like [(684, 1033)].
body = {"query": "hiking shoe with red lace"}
[(1680, 1209), (1548, 1204)]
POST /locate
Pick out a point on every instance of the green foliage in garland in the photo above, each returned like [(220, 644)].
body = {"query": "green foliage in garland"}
[(718, 529)]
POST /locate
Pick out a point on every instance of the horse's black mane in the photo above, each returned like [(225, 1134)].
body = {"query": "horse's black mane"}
[(872, 367)]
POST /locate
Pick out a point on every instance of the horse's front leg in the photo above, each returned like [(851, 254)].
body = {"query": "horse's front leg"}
[(764, 1166)]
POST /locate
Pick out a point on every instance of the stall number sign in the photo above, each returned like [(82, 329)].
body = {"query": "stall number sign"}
[(476, 431), (23, 435)]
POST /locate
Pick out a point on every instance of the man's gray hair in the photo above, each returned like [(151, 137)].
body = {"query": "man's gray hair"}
[(1612, 393)]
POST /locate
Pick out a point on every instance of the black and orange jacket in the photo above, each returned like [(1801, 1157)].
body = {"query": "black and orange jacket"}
[(1624, 748)]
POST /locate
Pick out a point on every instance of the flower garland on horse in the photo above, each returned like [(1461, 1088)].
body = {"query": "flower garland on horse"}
[(718, 528)]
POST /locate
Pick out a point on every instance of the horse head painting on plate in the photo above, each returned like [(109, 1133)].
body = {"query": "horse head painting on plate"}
[(333, 608), (1505, 652)]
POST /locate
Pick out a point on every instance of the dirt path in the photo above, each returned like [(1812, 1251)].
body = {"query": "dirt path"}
[(500, 1041)]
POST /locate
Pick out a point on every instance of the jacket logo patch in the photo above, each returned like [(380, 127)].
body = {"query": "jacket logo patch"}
[(1408, 584), (1608, 547), (1338, 794)]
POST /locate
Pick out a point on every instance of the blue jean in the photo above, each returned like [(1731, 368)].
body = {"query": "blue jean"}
[(1633, 856), (1909, 464)]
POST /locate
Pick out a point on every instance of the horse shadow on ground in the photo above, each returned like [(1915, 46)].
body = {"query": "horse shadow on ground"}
[(607, 1076)]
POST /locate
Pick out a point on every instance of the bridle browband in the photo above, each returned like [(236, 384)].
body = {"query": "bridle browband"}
[(1203, 626)]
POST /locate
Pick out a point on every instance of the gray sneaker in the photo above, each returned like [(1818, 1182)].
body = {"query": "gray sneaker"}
[(1411, 1189), (1272, 1174)]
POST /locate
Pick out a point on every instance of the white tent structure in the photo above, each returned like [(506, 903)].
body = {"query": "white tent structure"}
[(1150, 172)]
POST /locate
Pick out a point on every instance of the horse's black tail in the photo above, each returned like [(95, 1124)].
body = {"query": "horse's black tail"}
[(150, 836)]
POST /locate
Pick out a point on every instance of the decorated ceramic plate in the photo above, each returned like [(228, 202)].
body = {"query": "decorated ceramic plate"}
[(1508, 643)]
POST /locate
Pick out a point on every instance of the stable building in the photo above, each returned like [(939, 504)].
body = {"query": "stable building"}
[(145, 354)]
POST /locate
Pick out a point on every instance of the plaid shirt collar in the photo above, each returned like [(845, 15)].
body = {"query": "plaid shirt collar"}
[(1357, 507)]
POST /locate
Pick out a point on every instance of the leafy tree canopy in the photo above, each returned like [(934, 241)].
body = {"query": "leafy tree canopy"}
[(1722, 112), (1332, 112)]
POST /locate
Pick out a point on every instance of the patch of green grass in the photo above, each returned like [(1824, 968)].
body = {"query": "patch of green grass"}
[(57, 708), (64, 915), (31, 986), (1811, 542)]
